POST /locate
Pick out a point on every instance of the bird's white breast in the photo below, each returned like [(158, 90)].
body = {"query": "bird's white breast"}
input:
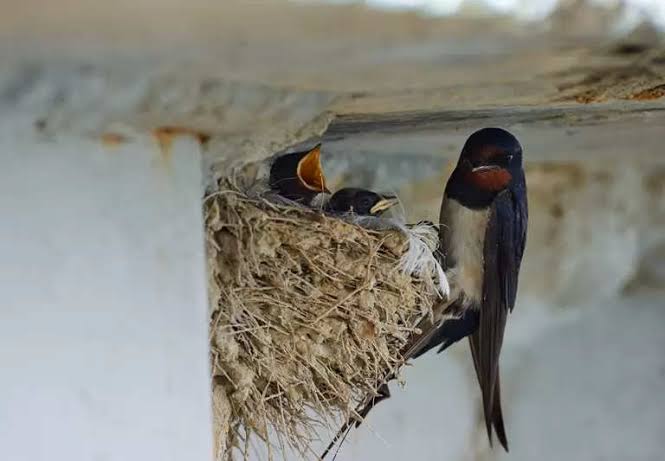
[(465, 245)]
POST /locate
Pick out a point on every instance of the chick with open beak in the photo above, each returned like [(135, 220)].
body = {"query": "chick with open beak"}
[(299, 176)]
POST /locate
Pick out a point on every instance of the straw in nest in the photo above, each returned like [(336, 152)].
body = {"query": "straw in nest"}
[(308, 314)]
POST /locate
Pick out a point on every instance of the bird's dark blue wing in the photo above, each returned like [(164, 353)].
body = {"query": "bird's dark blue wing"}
[(504, 246), (511, 213)]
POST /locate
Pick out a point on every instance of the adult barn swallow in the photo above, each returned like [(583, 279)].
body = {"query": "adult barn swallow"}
[(360, 201), (298, 176), (482, 232)]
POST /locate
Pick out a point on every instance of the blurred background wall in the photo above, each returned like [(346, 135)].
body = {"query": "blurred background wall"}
[(581, 83)]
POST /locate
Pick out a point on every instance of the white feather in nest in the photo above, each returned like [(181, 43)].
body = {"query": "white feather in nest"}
[(420, 259)]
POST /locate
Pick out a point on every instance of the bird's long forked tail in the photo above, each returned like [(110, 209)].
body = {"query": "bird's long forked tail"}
[(497, 417), (491, 392)]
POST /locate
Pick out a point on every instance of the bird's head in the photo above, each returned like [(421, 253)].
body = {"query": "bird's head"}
[(298, 175), (361, 202), (490, 159)]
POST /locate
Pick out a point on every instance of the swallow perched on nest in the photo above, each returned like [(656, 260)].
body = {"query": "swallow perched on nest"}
[(362, 202), (298, 176), (483, 222), (482, 232)]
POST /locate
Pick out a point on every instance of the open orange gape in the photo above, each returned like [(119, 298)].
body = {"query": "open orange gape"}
[(310, 172)]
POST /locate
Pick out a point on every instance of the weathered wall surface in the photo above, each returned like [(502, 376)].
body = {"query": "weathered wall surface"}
[(258, 77), (103, 318)]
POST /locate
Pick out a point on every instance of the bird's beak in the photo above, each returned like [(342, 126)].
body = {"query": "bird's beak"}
[(482, 168), (386, 202), (310, 171)]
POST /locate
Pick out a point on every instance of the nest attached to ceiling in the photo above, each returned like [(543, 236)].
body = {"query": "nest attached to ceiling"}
[(308, 313)]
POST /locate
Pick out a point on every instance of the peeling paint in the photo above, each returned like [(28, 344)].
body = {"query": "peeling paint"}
[(166, 134), (655, 92), (113, 139)]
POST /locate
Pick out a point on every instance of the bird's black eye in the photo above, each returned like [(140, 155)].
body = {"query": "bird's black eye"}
[(366, 203), (504, 159)]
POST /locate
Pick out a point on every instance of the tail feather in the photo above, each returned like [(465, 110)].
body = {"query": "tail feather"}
[(491, 394), (497, 418)]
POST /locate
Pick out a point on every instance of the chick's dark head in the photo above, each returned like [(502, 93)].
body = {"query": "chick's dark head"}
[(360, 201)]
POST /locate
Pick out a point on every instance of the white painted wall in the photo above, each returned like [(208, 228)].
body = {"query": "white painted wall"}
[(103, 312)]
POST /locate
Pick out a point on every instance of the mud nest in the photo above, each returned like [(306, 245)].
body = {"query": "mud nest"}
[(308, 313)]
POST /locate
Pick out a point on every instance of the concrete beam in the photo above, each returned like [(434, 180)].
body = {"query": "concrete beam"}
[(556, 132)]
